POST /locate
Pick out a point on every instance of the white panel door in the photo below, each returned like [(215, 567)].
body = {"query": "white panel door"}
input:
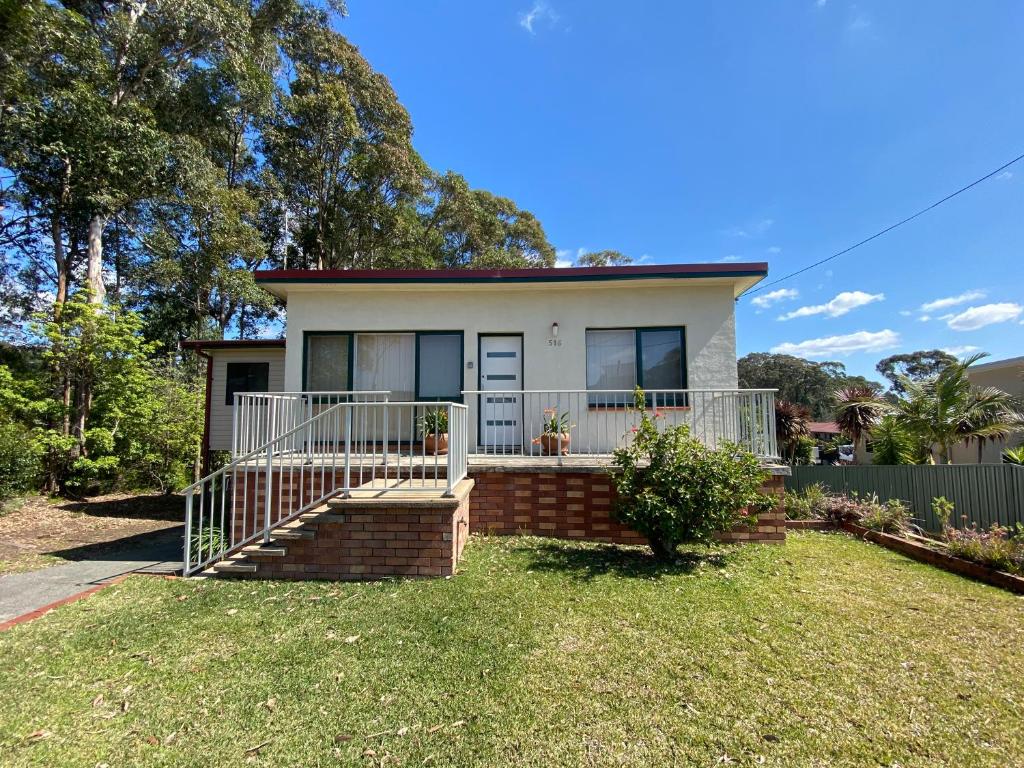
[(501, 413)]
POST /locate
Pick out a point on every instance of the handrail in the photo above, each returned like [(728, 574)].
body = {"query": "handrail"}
[(347, 445)]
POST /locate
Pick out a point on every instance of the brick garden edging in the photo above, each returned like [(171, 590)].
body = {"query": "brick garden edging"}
[(926, 554)]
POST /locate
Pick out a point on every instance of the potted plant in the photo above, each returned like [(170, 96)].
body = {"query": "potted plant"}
[(555, 434), (434, 425)]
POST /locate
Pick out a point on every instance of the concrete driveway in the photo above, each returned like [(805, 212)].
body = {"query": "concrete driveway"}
[(156, 552)]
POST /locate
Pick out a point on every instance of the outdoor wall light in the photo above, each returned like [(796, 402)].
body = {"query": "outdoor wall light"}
[(554, 329)]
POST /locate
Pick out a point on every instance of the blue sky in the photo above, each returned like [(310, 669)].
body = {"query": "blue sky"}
[(710, 131)]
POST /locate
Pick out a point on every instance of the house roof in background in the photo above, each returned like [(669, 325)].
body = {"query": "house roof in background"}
[(1010, 362), (829, 427), (741, 275)]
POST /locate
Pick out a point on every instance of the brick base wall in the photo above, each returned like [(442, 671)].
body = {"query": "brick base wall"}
[(368, 541), (572, 504)]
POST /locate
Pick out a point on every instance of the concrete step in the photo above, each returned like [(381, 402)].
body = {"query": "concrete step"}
[(234, 566), (264, 550)]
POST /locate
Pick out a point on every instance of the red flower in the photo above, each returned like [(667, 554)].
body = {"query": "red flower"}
[(657, 414), (635, 429)]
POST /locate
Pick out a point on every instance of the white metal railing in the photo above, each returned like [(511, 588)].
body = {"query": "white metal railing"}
[(380, 446), (513, 422), (259, 417)]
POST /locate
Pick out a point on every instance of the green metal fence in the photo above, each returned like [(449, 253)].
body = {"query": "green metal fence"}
[(984, 493)]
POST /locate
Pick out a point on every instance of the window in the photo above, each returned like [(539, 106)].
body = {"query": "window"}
[(439, 366), (409, 365), (246, 377), (327, 359), (623, 358), (386, 361)]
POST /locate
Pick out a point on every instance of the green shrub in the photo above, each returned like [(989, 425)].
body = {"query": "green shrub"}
[(20, 460), (806, 504), (673, 489)]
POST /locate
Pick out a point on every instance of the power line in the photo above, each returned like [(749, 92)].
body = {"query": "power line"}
[(887, 229)]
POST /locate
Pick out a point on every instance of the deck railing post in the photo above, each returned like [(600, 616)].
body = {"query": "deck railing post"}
[(188, 534), (348, 451), (453, 448)]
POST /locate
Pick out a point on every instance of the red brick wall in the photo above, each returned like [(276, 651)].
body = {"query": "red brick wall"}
[(366, 542), (577, 505)]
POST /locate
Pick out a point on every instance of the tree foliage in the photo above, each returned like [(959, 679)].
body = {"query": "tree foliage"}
[(604, 259), (914, 366), (805, 382)]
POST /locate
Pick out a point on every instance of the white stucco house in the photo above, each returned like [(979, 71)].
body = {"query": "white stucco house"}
[(405, 409), (575, 340)]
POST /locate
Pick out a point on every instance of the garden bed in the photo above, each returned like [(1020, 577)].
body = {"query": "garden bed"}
[(933, 555)]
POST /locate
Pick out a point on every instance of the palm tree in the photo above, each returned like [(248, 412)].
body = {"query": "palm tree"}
[(892, 443), (857, 410), (946, 409), (790, 425)]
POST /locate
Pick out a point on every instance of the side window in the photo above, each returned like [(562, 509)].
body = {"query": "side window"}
[(246, 377)]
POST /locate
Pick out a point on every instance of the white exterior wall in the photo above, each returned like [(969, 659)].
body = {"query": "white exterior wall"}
[(706, 312), (1007, 375), (220, 413)]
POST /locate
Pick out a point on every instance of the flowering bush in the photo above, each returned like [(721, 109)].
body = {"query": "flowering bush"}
[(892, 516), (673, 489), (997, 547), (816, 502)]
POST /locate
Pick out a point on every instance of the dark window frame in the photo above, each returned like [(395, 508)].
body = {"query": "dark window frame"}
[(229, 393), (638, 362)]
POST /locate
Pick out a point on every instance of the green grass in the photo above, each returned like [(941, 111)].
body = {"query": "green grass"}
[(827, 651)]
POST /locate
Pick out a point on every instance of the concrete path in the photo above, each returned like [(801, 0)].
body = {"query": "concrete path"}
[(22, 593)]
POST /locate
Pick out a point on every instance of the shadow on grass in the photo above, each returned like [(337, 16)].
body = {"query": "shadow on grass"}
[(588, 562)]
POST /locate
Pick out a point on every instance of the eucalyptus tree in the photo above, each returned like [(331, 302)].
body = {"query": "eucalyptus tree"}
[(604, 259)]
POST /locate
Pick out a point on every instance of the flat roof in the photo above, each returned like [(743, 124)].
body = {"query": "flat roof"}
[(231, 343), (741, 275)]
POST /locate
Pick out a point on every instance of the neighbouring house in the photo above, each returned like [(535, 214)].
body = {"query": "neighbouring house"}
[(1007, 375), (335, 436)]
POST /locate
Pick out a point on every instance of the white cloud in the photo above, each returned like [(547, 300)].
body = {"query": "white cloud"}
[(839, 346), (924, 318), (951, 301), (1005, 175), (821, 3), (840, 305), (562, 263), (755, 230), (729, 258), (961, 351), (973, 318), (774, 297), (773, 249), (541, 11), (906, 312)]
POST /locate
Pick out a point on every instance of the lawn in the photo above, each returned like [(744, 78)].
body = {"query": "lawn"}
[(827, 651)]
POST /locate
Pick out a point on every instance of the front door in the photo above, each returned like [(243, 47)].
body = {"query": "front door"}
[(501, 413)]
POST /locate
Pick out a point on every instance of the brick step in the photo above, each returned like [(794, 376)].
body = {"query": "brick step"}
[(292, 534), (322, 517), (264, 550), (234, 566)]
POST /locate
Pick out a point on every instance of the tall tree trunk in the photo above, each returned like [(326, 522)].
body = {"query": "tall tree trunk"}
[(97, 292)]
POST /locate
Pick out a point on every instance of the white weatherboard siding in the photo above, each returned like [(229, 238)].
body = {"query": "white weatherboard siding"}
[(706, 312), (220, 413)]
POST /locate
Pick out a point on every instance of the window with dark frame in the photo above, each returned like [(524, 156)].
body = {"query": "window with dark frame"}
[(430, 361), (246, 377), (624, 358)]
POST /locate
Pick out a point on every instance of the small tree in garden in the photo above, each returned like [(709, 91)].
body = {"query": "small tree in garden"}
[(673, 489), (791, 426), (857, 410)]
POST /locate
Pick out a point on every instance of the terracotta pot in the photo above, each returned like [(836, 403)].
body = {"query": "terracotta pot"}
[(436, 444), (550, 443)]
